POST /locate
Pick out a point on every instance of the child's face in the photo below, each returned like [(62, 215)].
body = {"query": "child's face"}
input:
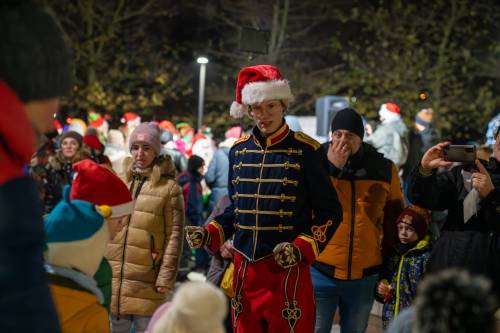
[(406, 233)]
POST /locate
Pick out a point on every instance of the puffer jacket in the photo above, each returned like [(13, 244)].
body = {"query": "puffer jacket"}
[(369, 190), (146, 253), (403, 271)]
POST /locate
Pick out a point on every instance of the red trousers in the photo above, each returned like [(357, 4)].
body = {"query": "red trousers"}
[(269, 298)]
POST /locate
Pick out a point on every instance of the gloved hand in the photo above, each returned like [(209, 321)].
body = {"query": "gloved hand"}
[(287, 254), (197, 237)]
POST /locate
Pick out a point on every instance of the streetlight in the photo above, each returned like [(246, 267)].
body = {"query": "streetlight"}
[(203, 61)]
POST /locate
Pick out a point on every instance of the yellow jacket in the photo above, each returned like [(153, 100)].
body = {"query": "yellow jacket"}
[(370, 193), (79, 311)]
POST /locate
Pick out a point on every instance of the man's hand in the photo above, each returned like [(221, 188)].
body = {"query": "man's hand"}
[(434, 158), (287, 254), (197, 237), (481, 181), (338, 153)]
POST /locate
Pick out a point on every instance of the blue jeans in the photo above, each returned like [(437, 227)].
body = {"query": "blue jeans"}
[(127, 323), (354, 298)]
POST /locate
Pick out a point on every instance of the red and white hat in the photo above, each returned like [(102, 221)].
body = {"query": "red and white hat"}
[(130, 118), (389, 111), (99, 185), (257, 84)]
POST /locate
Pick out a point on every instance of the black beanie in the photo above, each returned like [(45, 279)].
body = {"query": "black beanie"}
[(348, 119), (34, 59)]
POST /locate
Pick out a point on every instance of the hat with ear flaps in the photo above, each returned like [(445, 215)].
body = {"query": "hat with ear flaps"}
[(257, 84), (76, 235)]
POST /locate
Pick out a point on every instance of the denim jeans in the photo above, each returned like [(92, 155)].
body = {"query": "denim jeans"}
[(353, 297), (124, 323)]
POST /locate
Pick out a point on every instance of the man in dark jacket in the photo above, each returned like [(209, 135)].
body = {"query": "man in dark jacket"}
[(34, 72), (471, 234)]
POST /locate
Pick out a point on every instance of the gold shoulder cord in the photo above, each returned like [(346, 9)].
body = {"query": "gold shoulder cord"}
[(236, 300)]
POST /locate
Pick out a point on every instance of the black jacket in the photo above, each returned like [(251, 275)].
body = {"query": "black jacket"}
[(474, 245)]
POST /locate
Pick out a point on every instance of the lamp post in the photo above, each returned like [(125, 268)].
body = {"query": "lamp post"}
[(203, 61)]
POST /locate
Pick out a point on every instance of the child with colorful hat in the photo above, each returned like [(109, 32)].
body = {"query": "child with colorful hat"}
[(99, 185), (403, 271), (76, 238)]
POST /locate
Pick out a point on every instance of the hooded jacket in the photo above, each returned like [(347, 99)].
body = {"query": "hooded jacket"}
[(146, 253)]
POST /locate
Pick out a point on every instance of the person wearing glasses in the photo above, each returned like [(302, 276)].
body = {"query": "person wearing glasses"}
[(282, 213)]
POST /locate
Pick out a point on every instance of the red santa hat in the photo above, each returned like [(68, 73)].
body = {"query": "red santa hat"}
[(130, 117), (93, 142), (257, 84), (389, 111), (99, 185)]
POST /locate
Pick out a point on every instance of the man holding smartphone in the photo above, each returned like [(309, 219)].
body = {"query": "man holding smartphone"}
[(470, 237)]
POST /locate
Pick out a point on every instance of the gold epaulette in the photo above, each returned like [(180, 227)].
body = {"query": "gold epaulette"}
[(307, 139), (242, 139)]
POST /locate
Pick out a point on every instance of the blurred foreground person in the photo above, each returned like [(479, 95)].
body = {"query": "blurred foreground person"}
[(451, 301), (197, 307), (34, 73)]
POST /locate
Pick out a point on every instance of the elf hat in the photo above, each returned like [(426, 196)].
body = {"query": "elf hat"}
[(76, 235), (257, 84), (99, 185), (389, 111)]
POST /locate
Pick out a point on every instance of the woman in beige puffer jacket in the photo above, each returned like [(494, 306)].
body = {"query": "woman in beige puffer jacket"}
[(145, 255)]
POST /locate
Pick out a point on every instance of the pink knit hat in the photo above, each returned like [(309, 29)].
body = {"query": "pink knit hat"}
[(147, 133)]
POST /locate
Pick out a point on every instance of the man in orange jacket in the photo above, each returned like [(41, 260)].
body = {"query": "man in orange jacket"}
[(368, 187)]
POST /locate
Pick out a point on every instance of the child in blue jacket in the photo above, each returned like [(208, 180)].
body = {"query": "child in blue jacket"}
[(407, 264)]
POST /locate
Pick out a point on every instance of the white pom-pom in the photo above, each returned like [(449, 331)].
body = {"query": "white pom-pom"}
[(237, 110)]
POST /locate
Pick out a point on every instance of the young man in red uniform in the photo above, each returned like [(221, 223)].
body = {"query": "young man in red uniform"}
[(283, 211)]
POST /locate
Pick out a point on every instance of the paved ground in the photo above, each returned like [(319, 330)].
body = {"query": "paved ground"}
[(374, 324)]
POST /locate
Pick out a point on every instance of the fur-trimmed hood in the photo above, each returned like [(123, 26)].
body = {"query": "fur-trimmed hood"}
[(162, 167), (57, 161)]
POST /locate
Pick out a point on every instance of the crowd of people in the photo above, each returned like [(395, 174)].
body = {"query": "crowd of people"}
[(100, 226)]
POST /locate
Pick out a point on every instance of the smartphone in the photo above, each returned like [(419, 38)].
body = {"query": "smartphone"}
[(460, 153)]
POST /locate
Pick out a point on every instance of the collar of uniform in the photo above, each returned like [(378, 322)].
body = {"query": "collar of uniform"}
[(278, 136)]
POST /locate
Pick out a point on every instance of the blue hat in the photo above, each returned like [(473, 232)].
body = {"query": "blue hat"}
[(76, 235)]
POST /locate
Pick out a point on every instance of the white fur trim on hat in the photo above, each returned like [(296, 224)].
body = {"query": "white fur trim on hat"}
[(237, 110), (123, 209), (260, 91), (387, 115)]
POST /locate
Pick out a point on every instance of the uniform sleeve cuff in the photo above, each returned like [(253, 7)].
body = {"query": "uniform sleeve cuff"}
[(308, 248), (217, 237)]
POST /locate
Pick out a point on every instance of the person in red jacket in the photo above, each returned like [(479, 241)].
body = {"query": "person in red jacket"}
[(34, 73)]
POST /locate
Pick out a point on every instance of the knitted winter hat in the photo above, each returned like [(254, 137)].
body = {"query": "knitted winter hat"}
[(34, 59), (148, 133), (257, 84), (73, 135), (348, 119), (99, 185), (197, 307), (389, 111), (417, 218), (76, 235)]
